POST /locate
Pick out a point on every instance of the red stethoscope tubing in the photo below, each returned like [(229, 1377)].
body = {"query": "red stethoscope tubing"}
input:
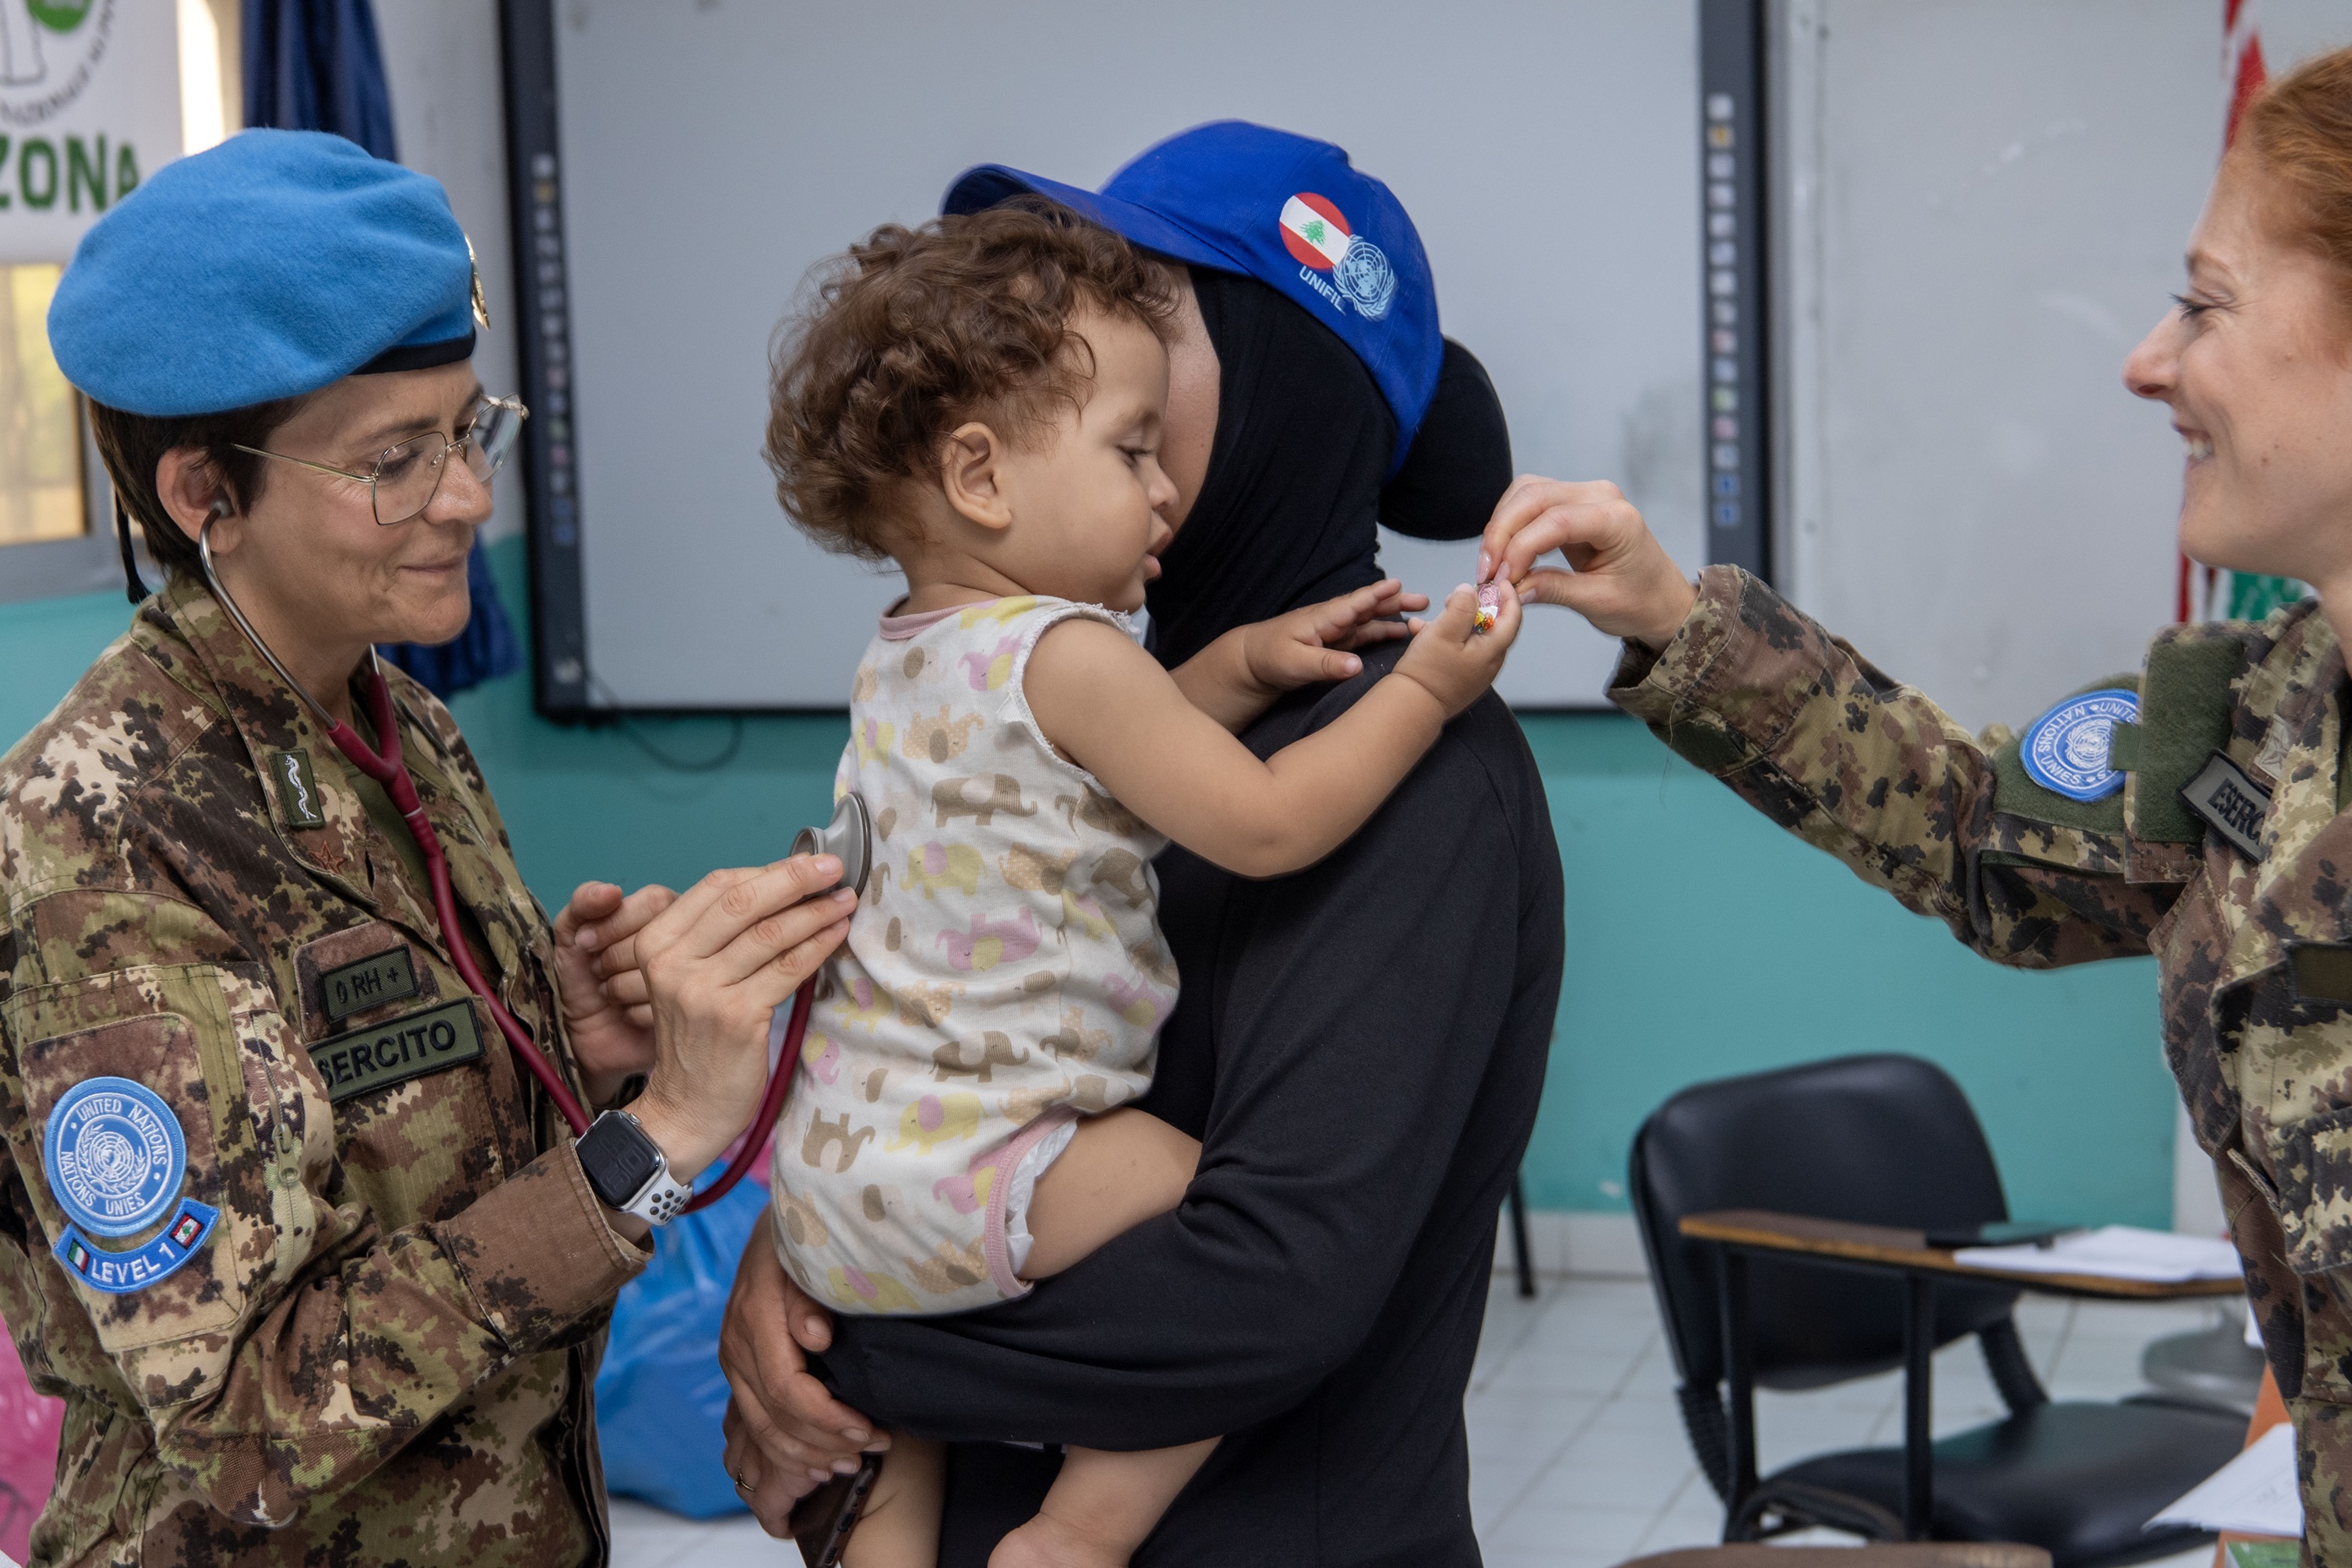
[(387, 769)]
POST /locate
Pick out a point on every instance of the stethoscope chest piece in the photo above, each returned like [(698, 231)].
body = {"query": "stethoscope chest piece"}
[(849, 838)]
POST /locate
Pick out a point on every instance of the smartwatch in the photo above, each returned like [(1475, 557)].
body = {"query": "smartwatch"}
[(628, 1169)]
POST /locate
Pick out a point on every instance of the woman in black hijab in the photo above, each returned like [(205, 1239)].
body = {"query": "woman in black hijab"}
[(1359, 1048)]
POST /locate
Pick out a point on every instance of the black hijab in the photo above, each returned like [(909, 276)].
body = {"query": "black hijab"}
[(1289, 511)]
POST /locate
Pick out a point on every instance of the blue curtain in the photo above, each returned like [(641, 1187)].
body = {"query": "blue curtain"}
[(315, 65)]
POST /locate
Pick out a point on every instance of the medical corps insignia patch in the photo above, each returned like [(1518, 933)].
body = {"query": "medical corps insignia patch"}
[(2066, 748), (115, 1158), (1319, 237)]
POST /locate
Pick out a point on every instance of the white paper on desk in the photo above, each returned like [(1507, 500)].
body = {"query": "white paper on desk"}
[(2115, 1252), (2253, 1494)]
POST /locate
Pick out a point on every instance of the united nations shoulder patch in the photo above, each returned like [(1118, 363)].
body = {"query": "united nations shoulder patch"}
[(114, 1155), (2067, 749)]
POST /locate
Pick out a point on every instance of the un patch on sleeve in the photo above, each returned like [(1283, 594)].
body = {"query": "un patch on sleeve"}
[(114, 1157), (2067, 749)]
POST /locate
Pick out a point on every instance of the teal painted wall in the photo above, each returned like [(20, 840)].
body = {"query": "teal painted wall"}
[(1701, 940)]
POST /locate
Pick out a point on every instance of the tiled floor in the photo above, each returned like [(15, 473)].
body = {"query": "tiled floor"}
[(1577, 1453)]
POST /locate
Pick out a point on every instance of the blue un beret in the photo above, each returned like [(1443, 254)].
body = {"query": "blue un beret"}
[(268, 266), (1287, 210)]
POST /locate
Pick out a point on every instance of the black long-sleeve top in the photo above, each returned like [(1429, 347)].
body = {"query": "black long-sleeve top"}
[(1360, 1049)]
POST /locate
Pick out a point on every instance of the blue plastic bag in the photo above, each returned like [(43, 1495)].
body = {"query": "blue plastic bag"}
[(660, 1397)]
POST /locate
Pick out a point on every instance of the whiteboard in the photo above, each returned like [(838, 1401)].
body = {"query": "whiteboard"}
[(1985, 204), (1547, 151)]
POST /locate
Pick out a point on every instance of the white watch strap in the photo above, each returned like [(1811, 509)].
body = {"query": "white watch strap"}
[(660, 1200)]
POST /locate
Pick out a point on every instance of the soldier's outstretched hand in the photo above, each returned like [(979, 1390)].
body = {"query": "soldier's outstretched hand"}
[(1618, 578)]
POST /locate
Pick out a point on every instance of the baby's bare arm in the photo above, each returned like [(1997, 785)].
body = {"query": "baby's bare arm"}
[(1109, 707)]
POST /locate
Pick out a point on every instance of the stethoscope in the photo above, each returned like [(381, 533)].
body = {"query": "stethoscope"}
[(849, 837)]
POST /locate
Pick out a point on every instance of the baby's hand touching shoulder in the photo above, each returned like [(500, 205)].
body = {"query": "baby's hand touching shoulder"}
[(1454, 658), (1237, 676), (1316, 643)]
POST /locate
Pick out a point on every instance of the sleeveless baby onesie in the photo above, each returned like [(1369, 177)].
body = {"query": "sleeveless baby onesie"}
[(1004, 973)]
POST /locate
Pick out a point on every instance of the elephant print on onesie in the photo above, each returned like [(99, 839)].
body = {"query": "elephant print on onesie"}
[(1004, 973)]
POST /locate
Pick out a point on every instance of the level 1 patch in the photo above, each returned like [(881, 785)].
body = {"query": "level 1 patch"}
[(2230, 804), (120, 1273), (298, 788), (114, 1155), (381, 977), (408, 1047), (2070, 748)]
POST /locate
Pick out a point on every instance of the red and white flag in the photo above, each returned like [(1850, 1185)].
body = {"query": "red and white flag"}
[(1313, 231)]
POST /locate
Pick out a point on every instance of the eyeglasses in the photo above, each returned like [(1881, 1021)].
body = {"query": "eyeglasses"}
[(407, 477)]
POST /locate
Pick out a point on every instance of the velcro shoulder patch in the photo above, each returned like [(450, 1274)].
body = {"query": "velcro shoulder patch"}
[(2322, 971), (2187, 703)]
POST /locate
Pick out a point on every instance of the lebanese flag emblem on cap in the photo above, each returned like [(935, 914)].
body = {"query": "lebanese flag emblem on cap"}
[(1314, 230)]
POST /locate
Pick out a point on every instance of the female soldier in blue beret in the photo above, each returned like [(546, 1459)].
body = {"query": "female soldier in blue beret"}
[(291, 1216)]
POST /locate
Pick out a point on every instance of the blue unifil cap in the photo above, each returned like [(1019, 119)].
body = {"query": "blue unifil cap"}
[(268, 266), (1287, 210)]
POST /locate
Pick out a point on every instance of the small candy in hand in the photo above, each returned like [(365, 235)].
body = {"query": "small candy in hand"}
[(1490, 601)]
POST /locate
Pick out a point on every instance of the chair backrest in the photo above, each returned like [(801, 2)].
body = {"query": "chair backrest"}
[(1878, 1140)]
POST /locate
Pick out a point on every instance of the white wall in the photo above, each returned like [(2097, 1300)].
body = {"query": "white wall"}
[(1988, 204)]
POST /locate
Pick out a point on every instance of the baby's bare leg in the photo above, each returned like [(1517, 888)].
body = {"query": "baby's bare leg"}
[(1121, 1168), (1102, 1506), (900, 1525)]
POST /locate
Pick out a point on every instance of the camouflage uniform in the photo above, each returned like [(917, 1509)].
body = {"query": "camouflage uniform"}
[(384, 1351), (2255, 956)]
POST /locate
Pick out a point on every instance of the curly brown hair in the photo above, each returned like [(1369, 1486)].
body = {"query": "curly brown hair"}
[(916, 331)]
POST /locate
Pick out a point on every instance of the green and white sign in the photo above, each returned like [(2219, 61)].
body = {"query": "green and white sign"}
[(90, 105)]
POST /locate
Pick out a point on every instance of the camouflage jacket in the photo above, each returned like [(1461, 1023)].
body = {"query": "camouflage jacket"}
[(382, 1350), (2256, 954)]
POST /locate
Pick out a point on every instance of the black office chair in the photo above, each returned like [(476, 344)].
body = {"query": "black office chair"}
[(1889, 1139)]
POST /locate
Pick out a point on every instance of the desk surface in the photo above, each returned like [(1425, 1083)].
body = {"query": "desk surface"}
[(1892, 1248)]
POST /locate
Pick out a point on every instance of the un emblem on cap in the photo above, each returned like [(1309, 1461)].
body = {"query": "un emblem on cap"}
[(2068, 749), (1318, 233), (114, 1155)]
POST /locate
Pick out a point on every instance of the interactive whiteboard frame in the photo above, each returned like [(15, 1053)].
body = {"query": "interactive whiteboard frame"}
[(1583, 312)]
